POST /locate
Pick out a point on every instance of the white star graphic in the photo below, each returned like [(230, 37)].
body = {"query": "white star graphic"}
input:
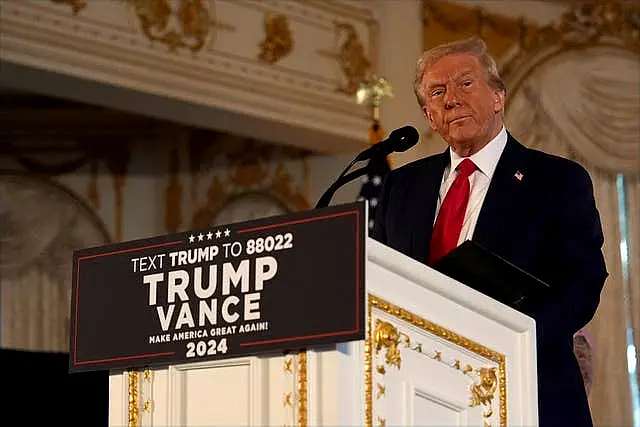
[(209, 235), (376, 180), (191, 239), (373, 202), (218, 234), (200, 237), (227, 232)]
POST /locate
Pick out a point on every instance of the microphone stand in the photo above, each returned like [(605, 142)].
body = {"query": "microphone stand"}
[(399, 140), (343, 179)]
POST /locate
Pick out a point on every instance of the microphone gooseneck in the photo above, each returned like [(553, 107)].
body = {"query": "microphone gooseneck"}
[(399, 140)]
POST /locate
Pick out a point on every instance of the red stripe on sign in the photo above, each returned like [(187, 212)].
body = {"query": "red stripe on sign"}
[(298, 221), (75, 332)]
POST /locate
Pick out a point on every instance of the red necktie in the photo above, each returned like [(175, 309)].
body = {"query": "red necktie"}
[(446, 230)]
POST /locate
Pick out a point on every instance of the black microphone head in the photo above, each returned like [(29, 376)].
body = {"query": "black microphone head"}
[(404, 138), (400, 139)]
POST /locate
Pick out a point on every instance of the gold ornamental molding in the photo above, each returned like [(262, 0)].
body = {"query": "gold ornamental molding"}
[(195, 22), (289, 394), (483, 392), (298, 396), (76, 5), (386, 336), (605, 23), (137, 392), (445, 21), (303, 387), (590, 23), (278, 41), (487, 380), (147, 385), (133, 398), (352, 57)]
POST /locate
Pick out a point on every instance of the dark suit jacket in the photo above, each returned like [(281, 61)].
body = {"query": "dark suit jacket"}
[(547, 224)]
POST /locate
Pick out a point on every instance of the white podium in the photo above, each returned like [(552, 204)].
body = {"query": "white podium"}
[(436, 353)]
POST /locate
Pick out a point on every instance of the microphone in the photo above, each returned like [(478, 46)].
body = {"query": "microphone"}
[(399, 140)]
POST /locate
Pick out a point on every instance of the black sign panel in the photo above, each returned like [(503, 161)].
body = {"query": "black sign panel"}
[(274, 284)]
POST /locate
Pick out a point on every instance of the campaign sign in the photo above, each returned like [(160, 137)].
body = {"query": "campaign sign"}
[(273, 284)]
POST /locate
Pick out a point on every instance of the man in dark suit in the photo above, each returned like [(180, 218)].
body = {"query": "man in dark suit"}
[(533, 209)]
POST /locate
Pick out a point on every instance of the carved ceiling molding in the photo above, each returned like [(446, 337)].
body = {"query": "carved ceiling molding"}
[(195, 22), (278, 41), (614, 23), (191, 25), (76, 5)]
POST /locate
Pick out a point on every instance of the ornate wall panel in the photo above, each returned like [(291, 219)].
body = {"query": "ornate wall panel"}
[(289, 62), (110, 176), (446, 21), (242, 179), (42, 224)]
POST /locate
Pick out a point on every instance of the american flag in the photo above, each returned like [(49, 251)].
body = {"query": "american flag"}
[(377, 169)]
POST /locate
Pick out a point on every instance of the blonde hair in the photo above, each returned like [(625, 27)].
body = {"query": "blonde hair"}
[(472, 46)]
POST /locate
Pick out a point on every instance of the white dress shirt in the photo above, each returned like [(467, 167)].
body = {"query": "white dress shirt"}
[(486, 160)]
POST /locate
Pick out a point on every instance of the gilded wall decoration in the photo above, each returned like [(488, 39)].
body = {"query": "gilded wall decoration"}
[(599, 23), (55, 158), (58, 138), (590, 23), (249, 179), (352, 58), (76, 5), (445, 21), (190, 25), (278, 41)]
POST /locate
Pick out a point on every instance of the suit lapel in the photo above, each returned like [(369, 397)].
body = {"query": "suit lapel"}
[(503, 198), (424, 216)]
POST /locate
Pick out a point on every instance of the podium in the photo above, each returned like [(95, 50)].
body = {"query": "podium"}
[(434, 352)]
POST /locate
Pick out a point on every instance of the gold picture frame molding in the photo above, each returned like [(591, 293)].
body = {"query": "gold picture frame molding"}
[(434, 329)]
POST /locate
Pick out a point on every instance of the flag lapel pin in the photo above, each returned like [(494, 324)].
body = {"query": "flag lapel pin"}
[(519, 175)]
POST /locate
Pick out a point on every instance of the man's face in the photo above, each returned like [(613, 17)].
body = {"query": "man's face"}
[(460, 105)]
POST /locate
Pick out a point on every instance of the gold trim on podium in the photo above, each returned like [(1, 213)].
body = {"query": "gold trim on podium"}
[(133, 398), (389, 338), (302, 389)]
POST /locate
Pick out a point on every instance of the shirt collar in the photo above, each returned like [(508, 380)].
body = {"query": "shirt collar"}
[(487, 158)]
